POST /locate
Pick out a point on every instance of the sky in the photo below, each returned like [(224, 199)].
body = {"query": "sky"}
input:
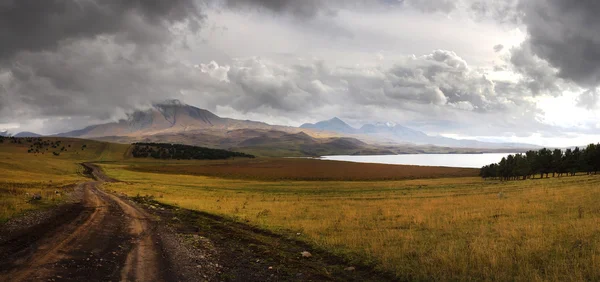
[(491, 70)]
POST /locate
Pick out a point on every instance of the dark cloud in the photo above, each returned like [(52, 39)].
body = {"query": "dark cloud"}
[(566, 34), (539, 76), (305, 8), (504, 11), (31, 25), (67, 64), (312, 8), (89, 60), (498, 48)]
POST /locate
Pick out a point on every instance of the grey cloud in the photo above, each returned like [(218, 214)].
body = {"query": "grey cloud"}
[(107, 82), (95, 79), (31, 25), (311, 8), (305, 8), (439, 79), (64, 59), (498, 48), (539, 76), (589, 99), (567, 35), (504, 11), (444, 6)]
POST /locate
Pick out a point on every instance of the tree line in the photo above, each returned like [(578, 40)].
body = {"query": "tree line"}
[(182, 152), (545, 162)]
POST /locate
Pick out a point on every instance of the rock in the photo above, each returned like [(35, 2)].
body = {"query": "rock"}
[(270, 268), (36, 197), (306, 254), (350, 268)]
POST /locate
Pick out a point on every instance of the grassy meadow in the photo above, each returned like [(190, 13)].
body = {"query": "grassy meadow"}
[(453, 226), (24, 174), (421, 229)]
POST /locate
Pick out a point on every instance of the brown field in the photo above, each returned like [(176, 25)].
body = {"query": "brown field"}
[(305, 169)]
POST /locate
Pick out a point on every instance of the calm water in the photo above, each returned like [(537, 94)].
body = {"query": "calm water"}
[(452, 160)]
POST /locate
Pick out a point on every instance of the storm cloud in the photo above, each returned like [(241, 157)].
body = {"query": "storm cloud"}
[(567, 35), (441, 65), (30, 25)]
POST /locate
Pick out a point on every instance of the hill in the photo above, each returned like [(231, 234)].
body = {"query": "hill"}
[(27, 134)]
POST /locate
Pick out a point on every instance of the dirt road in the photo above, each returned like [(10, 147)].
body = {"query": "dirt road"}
[(105, 237), (110, 240)]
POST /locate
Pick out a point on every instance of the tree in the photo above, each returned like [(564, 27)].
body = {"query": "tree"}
[(557, 162), (523, 169)]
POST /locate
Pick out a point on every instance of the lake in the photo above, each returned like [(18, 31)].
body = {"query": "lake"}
[(451, 160)]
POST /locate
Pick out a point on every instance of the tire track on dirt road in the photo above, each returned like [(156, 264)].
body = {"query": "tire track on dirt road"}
[(111, 240)]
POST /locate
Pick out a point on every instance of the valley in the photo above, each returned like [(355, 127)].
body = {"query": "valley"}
[(299, 140), (359, 222)]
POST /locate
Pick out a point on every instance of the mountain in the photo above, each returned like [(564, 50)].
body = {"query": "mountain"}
[(390, 132), (5, 133), (335, 124), (170, 116), (396, 131), (27, 134), (175, 122)]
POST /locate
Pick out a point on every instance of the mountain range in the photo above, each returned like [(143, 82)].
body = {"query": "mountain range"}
[(175, 122), (395, 133)]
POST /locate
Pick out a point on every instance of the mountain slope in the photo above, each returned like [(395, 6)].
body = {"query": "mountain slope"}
[(394, 133), (166, 117), (335, 124), (27, 134)]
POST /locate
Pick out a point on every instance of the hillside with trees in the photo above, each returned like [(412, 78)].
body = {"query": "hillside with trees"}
[(545, 162), (182, 152)]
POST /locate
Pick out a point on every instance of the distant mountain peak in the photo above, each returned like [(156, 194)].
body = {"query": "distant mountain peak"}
[(334, 124), (27, 134), (170, 102)]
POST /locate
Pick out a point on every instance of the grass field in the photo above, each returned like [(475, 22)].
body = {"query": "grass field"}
[(24, 174), (446, 228), (423, 229)]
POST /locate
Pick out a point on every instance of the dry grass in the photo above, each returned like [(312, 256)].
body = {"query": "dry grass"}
[(426, 229), (23, 174), (304, 169), (459, 228)]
